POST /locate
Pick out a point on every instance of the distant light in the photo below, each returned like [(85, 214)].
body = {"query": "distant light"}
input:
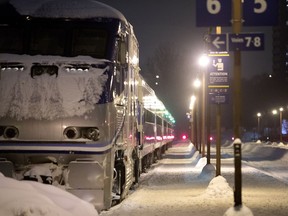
[(197, 83), (259, 114), (270, 76), (274, 112), (192, 102), (184, 137), (211, 138), (203, 60), (281, 109), (157, 76)]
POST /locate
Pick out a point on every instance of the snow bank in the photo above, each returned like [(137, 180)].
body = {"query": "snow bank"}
[(219, 187), (35, 199), (66, 9), (239, 211)]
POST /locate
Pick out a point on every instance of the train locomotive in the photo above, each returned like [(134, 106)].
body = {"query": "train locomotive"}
[(74, 110)]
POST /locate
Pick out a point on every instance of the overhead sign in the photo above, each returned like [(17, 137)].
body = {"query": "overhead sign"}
[(218, 78), (219, 12), (213, 13), (232, 42), (246, 42), (260, 12)]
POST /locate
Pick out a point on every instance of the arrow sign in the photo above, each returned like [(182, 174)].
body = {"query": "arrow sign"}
[(232, 42), (218, 42)]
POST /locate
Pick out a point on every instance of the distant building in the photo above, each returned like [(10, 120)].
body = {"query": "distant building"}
[(280, 42)]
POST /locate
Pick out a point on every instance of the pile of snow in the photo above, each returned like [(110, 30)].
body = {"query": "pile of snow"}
[(35, 199), (219, 187), (239, 211), (66, 9)]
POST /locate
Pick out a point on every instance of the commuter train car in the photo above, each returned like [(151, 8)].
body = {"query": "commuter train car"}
[(74, 110)]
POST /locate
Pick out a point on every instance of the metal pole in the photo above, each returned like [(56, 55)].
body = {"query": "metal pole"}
[(218, 140), (208, 133), (203, 130), (196, 127), (280, 130), (238, 175), (192, 125), (237, 26)]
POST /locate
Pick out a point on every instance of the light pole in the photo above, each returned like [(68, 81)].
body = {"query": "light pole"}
[(203, 62), (258, 122), (191, 108), (274, 112), (280, 118), (197, 85)]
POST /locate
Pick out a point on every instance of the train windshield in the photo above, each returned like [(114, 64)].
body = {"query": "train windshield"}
[(59, 38)]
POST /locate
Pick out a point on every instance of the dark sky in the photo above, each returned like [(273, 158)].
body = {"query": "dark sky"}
[(158, 22)]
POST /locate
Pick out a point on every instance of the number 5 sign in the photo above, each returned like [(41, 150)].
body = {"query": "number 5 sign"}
[(218, 12)]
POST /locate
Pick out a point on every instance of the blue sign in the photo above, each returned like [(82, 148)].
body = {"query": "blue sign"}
[(218, 71), (219, 12), (232, 42), (218, 42), (218, 79), (219, 98), (213, 13), (246, 42), (260, 12)]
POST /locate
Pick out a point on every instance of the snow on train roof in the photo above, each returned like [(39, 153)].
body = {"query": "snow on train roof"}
[(82, 9)]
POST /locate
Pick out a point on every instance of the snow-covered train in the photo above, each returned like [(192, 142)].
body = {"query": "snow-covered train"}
[(74, 110)]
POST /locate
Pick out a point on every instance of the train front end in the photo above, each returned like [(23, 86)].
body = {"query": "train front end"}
[(58, 120)]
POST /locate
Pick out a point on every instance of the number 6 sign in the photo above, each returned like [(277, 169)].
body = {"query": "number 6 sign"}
[(218, 12)]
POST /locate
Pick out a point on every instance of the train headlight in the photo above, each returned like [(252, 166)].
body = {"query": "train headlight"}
[(72, 133), (92, 134), (10, 132)]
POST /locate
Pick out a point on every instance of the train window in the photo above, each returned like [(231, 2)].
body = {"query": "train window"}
[(92, 42), (149, 116), (159, 121), (47, 41), (11, 40)]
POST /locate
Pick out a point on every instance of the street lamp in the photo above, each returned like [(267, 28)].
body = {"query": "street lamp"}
[(191, 108), (203, 62), (280, 118), (274, 112), (196, 85), (258, 125)]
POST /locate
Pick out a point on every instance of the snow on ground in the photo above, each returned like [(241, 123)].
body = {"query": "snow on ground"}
[(28, 198), (180, 184)]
